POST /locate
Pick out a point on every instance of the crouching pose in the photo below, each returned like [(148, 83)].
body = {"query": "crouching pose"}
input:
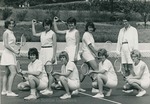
[(106, 76), (69, 76), (37, 78), (139, 79)]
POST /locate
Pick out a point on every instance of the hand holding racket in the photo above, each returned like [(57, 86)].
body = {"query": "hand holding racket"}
[(118, 66), (56, 19), (19, 70), (22, 42)]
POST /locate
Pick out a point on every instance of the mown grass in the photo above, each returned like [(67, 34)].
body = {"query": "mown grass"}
[(104, 32)]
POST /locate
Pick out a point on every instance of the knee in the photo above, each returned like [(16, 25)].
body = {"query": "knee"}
[(30, 77), (94, 84), (62, 78)]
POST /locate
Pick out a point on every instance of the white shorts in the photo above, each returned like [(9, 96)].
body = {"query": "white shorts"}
[(73, 84), (8, 58), (46, 54), (87, 56), (125, 54), (71, 53), (43, 83), (111, 83), (145, 83)]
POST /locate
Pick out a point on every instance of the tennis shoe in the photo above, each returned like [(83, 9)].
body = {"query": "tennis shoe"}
[(65, 96), (81, 90), (31, 97), (4, 93), (127, 91), (95, 90), (47, 92), (141, 93), (75, 92), (98, 95), (11, 94), (109, 92)]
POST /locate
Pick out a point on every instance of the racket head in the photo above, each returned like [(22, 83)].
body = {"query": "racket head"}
[(18, 69), (48, 66), (118, 65), (23, 40), (84, 69)]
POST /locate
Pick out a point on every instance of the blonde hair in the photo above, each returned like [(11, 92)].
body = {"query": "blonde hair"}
[(137, 53)]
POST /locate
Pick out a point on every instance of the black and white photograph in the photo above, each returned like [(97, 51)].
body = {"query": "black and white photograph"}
[(75, 51)]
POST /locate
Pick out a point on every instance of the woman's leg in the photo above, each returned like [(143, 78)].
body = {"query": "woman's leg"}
[(12, 69), (5, 79), (50, 77)]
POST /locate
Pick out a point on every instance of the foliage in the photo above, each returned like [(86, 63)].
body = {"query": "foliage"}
[(21, 15), (6, 13)]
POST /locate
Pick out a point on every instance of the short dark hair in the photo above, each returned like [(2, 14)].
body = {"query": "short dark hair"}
[(8, 22), (47, 22), (71, 20), (33, 51), (90, 24), (65, 54), (103, 52)]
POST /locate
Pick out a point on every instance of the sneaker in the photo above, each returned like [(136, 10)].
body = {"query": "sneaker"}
[(98, 95), (109, 92), (127, 91), (30, 97), (11, 94), (75, 92), (141, 93), (4, 93), (95, 90), (42, 91), (81, 90), (65, 96), (47, 92)]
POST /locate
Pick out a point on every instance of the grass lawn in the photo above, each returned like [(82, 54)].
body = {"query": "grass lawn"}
[(103, 33)]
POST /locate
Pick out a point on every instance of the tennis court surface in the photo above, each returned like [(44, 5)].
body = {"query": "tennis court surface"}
[(117, 97)]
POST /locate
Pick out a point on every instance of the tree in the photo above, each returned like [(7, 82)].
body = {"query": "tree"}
[(143, 8)]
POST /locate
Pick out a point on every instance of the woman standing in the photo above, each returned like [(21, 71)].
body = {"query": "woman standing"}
[(72, 38), (9, 42), (88, 48), (48, 49)]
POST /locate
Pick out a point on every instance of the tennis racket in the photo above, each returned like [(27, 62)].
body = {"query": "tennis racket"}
[(59, 20), (22, 42), (118, 67), (19, 70), (84, 69), (49, 63)]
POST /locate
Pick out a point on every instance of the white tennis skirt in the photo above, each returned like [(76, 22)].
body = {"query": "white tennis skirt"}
[(8, 58), (46, 54), (125, 54), (71, 52), (87, 56)]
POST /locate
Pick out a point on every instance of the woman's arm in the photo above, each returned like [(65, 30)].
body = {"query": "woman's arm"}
[(33, 29), (54, 47), (63, 74), (6, 44), (77, 36), (92, 49), (56, 28), (142, 69)]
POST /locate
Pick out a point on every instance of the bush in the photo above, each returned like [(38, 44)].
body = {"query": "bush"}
[(21, 15), (6, 13)]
